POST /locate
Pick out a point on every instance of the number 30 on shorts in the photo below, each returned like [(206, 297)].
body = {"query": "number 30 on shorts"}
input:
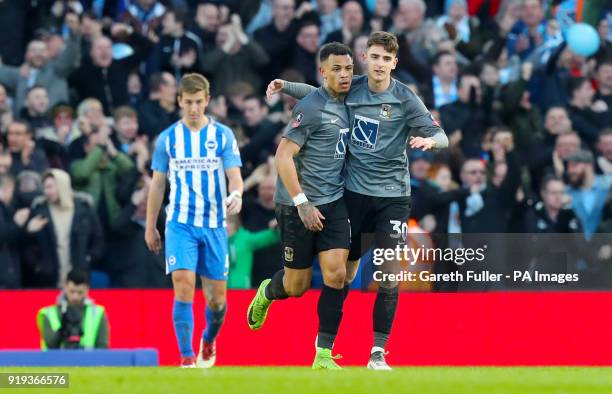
[(400, 229)]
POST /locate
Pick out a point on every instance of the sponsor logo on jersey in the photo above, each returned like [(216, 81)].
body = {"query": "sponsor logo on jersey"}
[(365, 132), (297, 120), (171, 260), (385, 111), (341, 144)]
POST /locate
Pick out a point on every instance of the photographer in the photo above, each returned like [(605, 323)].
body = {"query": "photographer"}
[(75, 321)]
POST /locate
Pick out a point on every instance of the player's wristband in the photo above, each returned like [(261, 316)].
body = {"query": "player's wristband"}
[(299, 199), (235, 194)]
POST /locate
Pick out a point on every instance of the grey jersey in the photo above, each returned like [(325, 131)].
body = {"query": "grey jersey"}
[(377, 163), (320, 127), (380, 124)]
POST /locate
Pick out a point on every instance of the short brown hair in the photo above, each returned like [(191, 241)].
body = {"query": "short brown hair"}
[(125, 111), (194, 83), (386, 40)]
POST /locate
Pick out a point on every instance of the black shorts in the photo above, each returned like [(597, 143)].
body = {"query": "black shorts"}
[(300, 245), (385, 218)]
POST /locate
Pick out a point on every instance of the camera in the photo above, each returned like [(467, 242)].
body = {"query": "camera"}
[(71, 330)]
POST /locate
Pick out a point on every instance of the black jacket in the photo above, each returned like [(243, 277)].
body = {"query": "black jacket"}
[(86, 242), (153, 119), (10, 237), (89, 79), (494, 216)]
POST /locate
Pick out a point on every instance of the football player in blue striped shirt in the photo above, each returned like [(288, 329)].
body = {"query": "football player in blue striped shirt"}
[(195, 154)]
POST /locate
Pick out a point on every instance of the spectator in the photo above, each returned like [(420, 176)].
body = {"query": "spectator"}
[(64, 233), (381, 16), (604, 148), (56, 139), (39, 70), (235, 58), (304, 58), (11, 233), (160, 110), (99, 172), (144, 15), (278, 38), (6, 161), (588, 191), (603, 76), (207, 21), (129, 263), (530, 31), (260, 131), (443, 87), (467, 116), (178, 51), (75, 321), (588, 116), (28, 187), (457, 17), (126, 139), (427, 197), (36, 109), (134, 88), (330, 16), (550, 214), (6, 112), (521, 115), (359, 46), (353, 23), (488, 210), (105, 78), (25, 154), (242, 246), (13, 32)]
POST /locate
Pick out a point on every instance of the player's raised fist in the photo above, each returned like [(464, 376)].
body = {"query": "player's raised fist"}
[(274, 87)]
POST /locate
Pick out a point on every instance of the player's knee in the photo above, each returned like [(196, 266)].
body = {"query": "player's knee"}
[(184, 294), (216, 303), (335, 278)]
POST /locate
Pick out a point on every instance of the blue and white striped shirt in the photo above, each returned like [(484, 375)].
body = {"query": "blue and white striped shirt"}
[(195, 164)]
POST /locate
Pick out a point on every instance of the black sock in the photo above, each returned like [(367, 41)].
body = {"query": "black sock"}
[(345, 291), (330, 315), (380, 339), (384, 312), (275, 289)]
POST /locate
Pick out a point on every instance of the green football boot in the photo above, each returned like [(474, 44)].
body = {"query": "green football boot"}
[(325, 360), (258, 309)]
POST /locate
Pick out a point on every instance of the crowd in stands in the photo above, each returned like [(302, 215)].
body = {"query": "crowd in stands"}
[(86, 86)]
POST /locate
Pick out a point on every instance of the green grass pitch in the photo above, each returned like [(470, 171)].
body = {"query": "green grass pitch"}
[(293, 380)]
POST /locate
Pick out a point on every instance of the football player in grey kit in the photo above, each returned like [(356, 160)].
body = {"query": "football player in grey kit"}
[(383, 112), (310, 209)]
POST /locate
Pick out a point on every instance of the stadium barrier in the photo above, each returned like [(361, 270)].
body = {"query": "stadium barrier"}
[(503, 328), (80, 358)]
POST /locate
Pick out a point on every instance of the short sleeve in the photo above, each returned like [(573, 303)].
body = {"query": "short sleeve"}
[(231, 153), (160, 154), (299, 128)]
